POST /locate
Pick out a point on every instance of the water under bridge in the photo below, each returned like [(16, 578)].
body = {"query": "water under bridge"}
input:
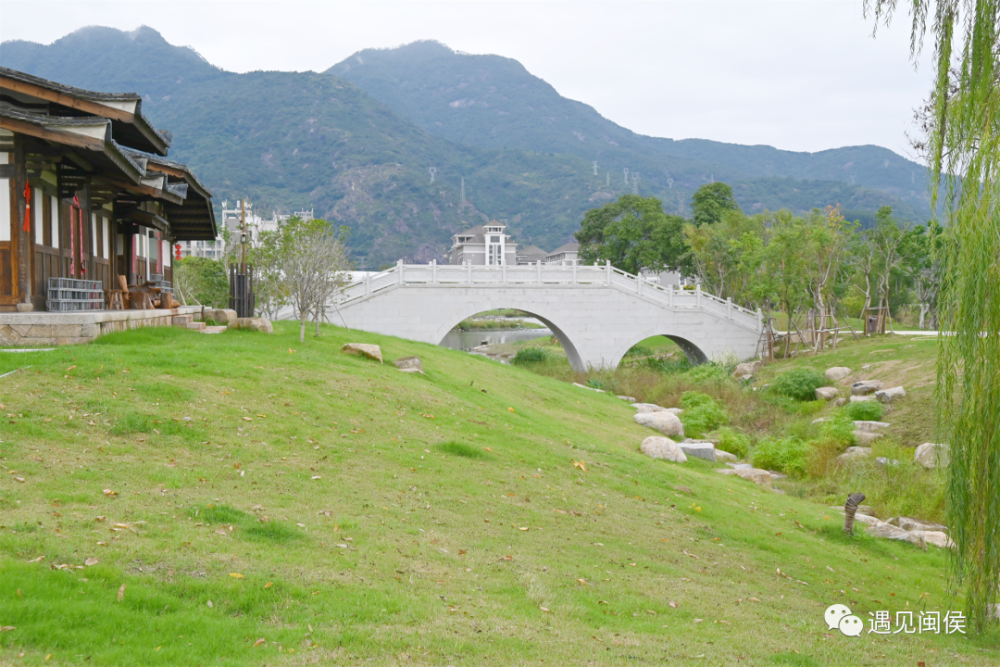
[(596, 312)]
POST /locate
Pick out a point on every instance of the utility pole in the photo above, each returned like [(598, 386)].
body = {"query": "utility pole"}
[(243, 235), (463, 189)]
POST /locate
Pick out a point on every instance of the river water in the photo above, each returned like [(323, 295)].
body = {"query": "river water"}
[(466, 340)]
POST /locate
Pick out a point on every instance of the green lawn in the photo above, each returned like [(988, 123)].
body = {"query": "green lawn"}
[(243, 487)]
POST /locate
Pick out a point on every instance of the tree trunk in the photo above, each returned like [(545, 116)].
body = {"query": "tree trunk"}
[(302, 326)]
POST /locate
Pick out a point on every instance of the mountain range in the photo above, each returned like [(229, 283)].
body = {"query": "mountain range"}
[(410, 145)]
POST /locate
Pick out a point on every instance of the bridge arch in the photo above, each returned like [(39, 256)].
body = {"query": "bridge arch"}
[(572, 354), (694, 353)]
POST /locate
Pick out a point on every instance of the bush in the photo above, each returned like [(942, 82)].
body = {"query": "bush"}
[(799, 384), (701, 414), (864, 411), (787, 455), (707, 372), (732, 441), (461, 449), (530, 355), (639, 351)]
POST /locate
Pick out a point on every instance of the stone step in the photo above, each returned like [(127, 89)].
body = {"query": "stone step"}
[(213, 330), (181, 320), (196, 326)]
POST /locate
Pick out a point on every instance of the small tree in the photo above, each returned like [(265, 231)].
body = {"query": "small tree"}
[(203, 281), (313, 262), (634, 234), (711, 202)]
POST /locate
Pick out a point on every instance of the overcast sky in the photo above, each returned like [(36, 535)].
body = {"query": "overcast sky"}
[(799, 75)]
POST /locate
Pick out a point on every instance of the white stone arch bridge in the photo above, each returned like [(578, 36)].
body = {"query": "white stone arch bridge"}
[(597, 312)]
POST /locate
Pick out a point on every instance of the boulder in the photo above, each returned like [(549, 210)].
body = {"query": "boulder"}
[(866, 387), (409, 365), (755, 475), (656, 447), (935, 537), (882, 529), (748, 368), (890, 394), (853, 454), (641, 408), (869, 426), (702, 449), (909, 523), (859, 399), (840, 402), (676, 411), (665, 422), (259, 324), (725, 456), (364, 349), (932, 455), (837, 373), (826, 393), (865, 438), (867, 519), (221, 316)]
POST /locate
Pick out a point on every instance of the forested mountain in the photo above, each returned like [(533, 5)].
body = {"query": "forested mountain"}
[(489, 100), (315, 140)]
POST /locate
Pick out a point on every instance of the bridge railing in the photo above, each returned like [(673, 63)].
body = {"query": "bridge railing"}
[(538, 274)]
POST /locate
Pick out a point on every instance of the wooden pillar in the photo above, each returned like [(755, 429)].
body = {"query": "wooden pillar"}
[(20, 240)]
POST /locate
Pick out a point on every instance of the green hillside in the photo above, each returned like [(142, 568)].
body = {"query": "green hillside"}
[(293, 140), (489, 100), (172, 498)]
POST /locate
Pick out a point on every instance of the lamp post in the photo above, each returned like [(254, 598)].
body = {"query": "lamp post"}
[(243, 236)]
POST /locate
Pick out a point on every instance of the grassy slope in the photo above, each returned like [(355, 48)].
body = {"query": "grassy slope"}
[(380, 542)]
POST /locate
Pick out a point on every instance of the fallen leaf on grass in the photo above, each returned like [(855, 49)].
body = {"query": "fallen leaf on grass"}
[(582, 582), (525, 528), (673, 604), (261, 640), (121, 593), (19, 479), (581, 465), (91, 561), (109, 492), (235, 575), (316, 477), (37, 560), (7, 628), (510, 409), (268, 584), (70, 368), (545, 609)]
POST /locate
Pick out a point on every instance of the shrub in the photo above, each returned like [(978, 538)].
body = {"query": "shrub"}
[(639, 351), (838, 430), (530, 355), (701, 414), (732, 441), (461, 449), (707, 372), (865, 411), (800, 384), (787, 455)]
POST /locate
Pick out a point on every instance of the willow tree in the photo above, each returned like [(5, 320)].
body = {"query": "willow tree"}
[(964, 149)]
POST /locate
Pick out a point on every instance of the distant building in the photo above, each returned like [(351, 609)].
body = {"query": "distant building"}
[(231, 221), (483, 245), (566, 253), (531, 255)]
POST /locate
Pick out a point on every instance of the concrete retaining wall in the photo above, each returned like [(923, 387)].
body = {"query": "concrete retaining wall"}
[(35, 329)]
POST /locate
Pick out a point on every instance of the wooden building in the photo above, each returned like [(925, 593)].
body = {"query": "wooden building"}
[(86, 191)]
